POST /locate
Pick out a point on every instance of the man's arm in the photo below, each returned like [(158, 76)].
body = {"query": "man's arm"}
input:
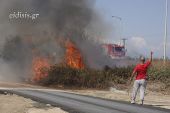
[(151, 54)]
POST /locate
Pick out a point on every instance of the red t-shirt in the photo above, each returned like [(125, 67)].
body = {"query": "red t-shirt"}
[(141, 70)]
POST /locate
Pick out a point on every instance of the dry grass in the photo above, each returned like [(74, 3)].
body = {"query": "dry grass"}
[(160, 73), (88, 78)]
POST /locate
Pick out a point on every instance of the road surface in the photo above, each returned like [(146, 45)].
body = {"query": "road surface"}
[(74, 103)]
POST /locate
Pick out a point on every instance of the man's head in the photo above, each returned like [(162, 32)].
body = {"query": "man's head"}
[(142, 59)]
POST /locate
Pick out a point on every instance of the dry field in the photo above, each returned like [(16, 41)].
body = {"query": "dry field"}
[(16, 104)]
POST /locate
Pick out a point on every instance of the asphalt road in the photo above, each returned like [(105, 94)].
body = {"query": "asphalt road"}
[(74, 103)]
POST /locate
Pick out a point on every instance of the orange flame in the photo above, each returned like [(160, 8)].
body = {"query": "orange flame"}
[(40, 68), (73, 56)]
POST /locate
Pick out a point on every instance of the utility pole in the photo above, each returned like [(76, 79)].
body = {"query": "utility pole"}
[(117, 17), (124, 41), (121, 29), (121, 25), (165, 35)]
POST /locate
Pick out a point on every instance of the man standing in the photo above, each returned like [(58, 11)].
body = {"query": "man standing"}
[(140, 80)]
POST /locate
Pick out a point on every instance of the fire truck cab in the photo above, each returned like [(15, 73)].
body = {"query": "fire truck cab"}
[(115, 50)]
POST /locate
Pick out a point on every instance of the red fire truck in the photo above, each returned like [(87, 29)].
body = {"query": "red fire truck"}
[(115, 50)]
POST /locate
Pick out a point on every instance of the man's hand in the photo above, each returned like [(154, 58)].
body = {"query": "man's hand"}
[(131, 78), (129, 81)]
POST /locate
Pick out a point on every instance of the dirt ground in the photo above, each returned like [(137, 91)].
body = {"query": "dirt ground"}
[(16, 104)]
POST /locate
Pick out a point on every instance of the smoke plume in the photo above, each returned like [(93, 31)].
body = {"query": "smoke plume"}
[(58, 20)]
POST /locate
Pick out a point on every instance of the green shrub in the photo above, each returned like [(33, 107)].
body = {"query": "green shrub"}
[(70, 77)]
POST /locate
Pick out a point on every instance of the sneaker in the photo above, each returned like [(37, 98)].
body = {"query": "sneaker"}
[(132, 102), (141, 102)]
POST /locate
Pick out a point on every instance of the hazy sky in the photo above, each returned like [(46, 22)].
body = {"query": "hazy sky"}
[(142, 24)]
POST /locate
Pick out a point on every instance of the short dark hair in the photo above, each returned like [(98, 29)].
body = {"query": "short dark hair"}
[(142, 58)]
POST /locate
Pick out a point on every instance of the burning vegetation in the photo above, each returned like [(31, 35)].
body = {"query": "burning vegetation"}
[(40, 67), (73, 56), (73, 59)]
